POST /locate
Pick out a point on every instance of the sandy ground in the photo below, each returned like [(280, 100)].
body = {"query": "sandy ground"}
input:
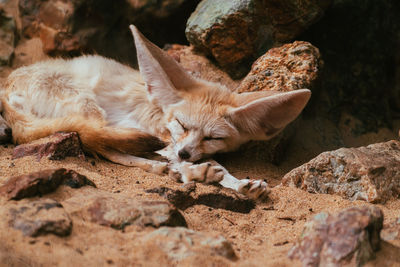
[(261, 237)]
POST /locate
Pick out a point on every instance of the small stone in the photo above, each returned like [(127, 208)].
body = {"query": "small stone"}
[(42, 182), (370, 173), (117, 211), (350, 237), (40, 217), (391, 232), (180, 243), (285, 68), (56, 147)]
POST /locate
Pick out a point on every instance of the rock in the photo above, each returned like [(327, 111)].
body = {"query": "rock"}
[(350, 237), (7, 37), (42, 182), (118, 212), (289, 67), (56, 147), (199, 66), (370, 173), (40, 217), (180, 243), (236, 32), (224, 199), (392, 231)]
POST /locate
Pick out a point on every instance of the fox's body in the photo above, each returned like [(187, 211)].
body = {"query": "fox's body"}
[(120, 112), (90, 87)]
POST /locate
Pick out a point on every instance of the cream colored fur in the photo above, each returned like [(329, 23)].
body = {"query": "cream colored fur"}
[(121, 113)]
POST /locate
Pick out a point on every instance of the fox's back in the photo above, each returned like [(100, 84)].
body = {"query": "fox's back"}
[(87, 85)]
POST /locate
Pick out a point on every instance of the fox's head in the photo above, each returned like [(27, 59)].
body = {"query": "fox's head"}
[(205, 118)]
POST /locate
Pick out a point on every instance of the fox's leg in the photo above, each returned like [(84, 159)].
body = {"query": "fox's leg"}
[(153, 166)]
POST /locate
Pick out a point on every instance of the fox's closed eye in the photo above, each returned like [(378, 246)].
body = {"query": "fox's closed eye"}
[(180, 123), (209, 138)]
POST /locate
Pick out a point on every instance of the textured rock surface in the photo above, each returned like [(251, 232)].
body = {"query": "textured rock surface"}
[(7, 37), (370, 173), (285, 68), (42, 182), (350, 237), (179, 243), (236, 32), (57, 146), (39, 217), (118, 212)]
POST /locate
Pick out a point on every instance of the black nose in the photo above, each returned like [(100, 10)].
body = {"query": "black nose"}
[(183, 154)]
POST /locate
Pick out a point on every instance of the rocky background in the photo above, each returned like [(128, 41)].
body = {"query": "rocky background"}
[(334, 172)]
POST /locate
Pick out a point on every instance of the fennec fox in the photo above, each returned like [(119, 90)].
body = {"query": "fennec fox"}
[(120, 113)]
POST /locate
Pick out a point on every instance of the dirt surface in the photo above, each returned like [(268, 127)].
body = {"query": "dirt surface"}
[(261, 237)]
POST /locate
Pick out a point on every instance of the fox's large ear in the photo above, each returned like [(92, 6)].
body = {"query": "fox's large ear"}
[(267, 116), (164, 76)]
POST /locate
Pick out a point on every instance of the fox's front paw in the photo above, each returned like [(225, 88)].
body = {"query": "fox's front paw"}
[(204, 172), (160, 168), (254, 189)]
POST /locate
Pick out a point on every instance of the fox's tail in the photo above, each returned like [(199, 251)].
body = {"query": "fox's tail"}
[(95, 135)]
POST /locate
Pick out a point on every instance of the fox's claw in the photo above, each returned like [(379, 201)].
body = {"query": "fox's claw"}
[(254, 189)]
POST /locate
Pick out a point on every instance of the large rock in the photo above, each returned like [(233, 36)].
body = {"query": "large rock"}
[(236, 32), (285, 68), (118, 212), (223, 199), (39, 217), (370, 173), (180, 243), (41, 182), (348, 238), (55, 147)]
